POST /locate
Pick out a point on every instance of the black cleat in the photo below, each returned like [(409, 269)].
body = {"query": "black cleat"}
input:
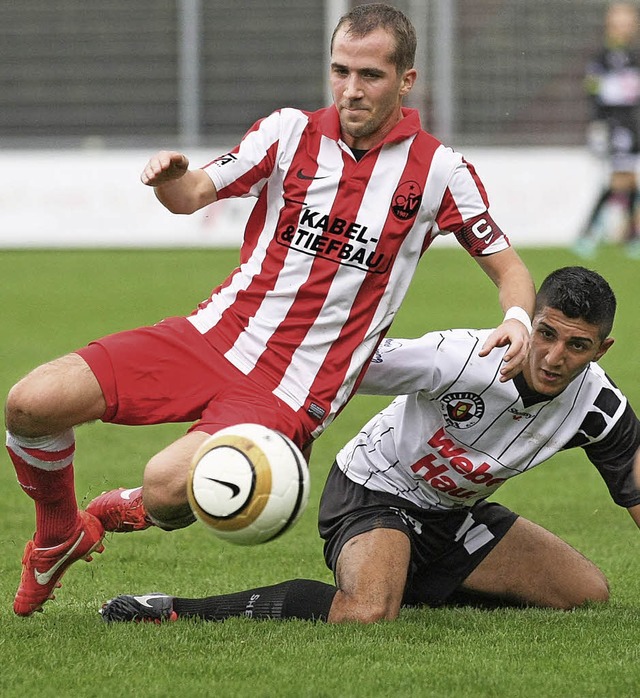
[(148, 608)]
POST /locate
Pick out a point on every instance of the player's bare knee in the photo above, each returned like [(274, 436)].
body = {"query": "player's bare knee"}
[(165, 482), (598, 588), (160, 494), (353, 609), (165, 507), (591, 587), (25, 409), (165, 494), (54, 397)]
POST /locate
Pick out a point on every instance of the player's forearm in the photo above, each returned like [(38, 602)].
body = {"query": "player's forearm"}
[(187, 194), (516, 287), (511, 276)]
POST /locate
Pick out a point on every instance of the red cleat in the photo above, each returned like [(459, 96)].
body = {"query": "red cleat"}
[(42, 568), (121, 510)]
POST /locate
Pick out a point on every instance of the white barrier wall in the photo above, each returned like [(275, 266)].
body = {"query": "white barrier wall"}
[(94, 198)]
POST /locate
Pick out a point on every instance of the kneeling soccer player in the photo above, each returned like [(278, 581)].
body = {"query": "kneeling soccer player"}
[(404, 513)]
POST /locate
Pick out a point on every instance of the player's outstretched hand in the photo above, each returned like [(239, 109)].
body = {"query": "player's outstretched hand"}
[(163, 167), (515, 334)]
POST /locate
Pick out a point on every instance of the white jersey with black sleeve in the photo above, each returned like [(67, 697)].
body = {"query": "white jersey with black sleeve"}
[(456, 433)]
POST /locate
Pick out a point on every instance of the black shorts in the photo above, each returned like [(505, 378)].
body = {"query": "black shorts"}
[(446, 546)]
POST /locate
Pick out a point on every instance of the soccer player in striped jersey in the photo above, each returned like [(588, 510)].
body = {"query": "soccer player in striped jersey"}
[(348, 199), (404, 513)]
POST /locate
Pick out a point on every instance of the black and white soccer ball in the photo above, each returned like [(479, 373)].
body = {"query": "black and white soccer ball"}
[(248, 484)]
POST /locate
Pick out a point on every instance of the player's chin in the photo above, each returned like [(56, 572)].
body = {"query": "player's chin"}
[(356, 123), (549, 384)]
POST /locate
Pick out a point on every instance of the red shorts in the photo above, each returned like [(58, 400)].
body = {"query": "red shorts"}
[(170, 373)]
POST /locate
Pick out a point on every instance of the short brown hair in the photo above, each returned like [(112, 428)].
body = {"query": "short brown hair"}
[(363, 19)]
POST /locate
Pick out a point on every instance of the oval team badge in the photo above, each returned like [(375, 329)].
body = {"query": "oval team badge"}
[(406, 200), (462, 410)]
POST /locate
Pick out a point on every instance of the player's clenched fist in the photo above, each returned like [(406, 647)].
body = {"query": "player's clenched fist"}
[(164, 167), (178, 188)]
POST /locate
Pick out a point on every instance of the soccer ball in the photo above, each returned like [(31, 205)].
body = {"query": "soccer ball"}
[(248, 484)]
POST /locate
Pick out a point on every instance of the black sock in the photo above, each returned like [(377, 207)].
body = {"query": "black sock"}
[(305, 599)]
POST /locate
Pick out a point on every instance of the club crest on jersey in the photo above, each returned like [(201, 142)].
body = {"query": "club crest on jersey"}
[(462, 410), (406, 200)]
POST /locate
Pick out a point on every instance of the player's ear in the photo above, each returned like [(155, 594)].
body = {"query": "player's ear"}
[(604, 348), (408, 81)]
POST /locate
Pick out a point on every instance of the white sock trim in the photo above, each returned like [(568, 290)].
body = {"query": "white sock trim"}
[(41, 451)]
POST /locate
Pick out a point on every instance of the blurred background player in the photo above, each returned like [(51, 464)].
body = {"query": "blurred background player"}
[(404, 512), (613, 86)]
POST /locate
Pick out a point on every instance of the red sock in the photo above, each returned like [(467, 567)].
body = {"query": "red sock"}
[(45, 472)]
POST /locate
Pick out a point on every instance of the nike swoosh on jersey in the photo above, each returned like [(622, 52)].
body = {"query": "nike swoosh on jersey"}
[(235, 490), (45, 577), (301, 175)]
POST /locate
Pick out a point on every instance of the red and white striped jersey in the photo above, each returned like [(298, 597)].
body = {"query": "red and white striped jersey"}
[(456, 433), (330, 248)]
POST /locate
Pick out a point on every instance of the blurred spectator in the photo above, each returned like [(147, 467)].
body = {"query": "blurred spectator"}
[(613, 85)]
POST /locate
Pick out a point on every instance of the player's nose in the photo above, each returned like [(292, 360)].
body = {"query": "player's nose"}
[(556, 354), (352, 87)]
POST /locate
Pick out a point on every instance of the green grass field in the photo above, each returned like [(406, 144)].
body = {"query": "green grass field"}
[(55, 301)]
